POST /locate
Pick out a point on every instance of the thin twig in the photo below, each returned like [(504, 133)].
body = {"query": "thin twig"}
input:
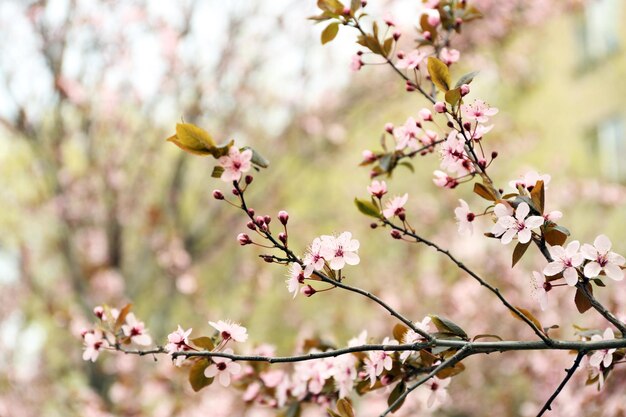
[(570, 372)]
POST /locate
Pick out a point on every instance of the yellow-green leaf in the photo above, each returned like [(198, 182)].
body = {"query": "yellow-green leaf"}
[(192, 139), (345, 408), (196, 375), (453, 96), (439, 73), (203, 342), (367, 207), (329, 33)]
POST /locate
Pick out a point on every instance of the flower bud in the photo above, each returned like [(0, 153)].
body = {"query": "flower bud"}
[(251, 212), (426, 115), (98, 311), (307, 290), (547, 286), (267, 219), (373, 225), (218, 195), (396, 234), (396, 35), (346, 11), (363, 3), (400, 54), (440, 107), (234, 191), (244, 239), (359, 53), (427, 35), (249, 179), (494, 155), (282, 236), (467, 125), (402, 216), (250, 225), (283, 216), (267, 258), (259, 221), (409, 86), (389, 128), (465, 89)]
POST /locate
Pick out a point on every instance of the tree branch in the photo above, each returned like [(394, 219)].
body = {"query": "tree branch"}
[(570, 372)]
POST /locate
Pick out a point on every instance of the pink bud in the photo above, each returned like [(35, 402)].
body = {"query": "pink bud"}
[(494, 155), (396, 234), (467, 125), (363, 3), (234, 191), (98, 311), (260, 221), (307, 290), (251, 212), (409, 86), (465, 89), (251, 225), (440, 107), (396, 35), (283, 216), (433, 17), (249, 179), (427, 35), (346, 11), (244, 239), (389, 128), (282, 236), (368, 156), (400, 54), (267, 219), (218, 195), (426, 115)]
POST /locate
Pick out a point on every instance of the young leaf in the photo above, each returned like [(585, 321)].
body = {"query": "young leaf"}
[(466, 79), (555, 235), (439, 74), (453, 96), (486, 336), (257, 159), (203, 342), (217, 172), (367, 207), (345, 408), (581, 301), (331, 6), (485, 192), (398, 332), (121, 317), (397, 391), (218, 151), (329, 33), (538, 196), (519, 251), (448, 372), (196, 375), (446, 326), (192, 139), (528, 315)]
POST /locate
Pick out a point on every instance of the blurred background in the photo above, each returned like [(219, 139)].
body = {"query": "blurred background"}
[(98, 209)]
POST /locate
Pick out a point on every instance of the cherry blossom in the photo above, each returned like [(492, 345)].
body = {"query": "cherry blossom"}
[(378, 361), (344, 373), (566, 260), (426, 115), (480, 131), (479, 111), (313, 260), (341, 250), (464, 218), (541, 289), (411, 336), (507, 226), (407, 134), (178, 341), (602, 259), (223, 368), (395, 206), (553, 216), (377, 188), (296, 277), (434, 18), (356, 63), (136, 330), (94, 342), (603, 356), (529, 180), (453, 156), (443, 180), (411, 60), (235, 164), (360, 340), (449, 55), (230, 331), (439, 393)]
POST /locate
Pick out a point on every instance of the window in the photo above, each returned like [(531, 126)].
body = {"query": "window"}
[(611, 141), (599, 29)]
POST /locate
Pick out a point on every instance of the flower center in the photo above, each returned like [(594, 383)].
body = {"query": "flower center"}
[(221, 366)]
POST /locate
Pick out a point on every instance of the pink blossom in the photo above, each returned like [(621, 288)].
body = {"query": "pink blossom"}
[(360, 340), (553, 216), (356, 63), (229, 330), (235, 164), (479, 111), (425, 115), (443, 180), (94, 342), (566, 260), (411, 336), (529, 180), (540, 289), (136, 331), (602, 259), (603, 356), (407, 134), (344, 373), (480, 131), (434, 18), (313, 260), (178, 341), (429, 137), (464, 218), (296, 277), (439, 393), (341, 250), (507, 226), (411, 60), (395, 206), (389, 20), (368, 156), (453, 156), (440, 107), (377, 361), (223, 368), (449, 56), (377, 188)]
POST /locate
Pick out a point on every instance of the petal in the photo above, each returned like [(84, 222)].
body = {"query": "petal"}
[(534, 221), (616, 259), (508, 236), (543, 300), (234, 368), (502, 210), (614, 272), (595, 359), (553, 268), (577, 259), (211, 371), (524, 235), (337, 263), (571, 276), (351, 258), (592, 269), (608, 358), (602, 244), (224, 379), (522, 211), (608, 334), (572, 248), (557, 252), (589, 252)]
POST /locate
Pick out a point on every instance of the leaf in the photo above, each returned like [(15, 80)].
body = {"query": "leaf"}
[(203, 342), (486, 336), (331, 6), (599, 282), (331, 413), (330, 32), (258, 159), (192, 139), (555, 235), (121, 317), (345, 408), (397, 391), (581, 301), (451, 371), (387, 45), (485, 192), (217, 172), (466, 79), (218, 151), (398, 332), (408, 165), (294, 410), (439, 74), (427, 27), (446, 326), (428, 358), (519, 251), (196, 375), (538, 196), (453, 96), (387, 162), (367, 207), (528, 315), (355, 5)]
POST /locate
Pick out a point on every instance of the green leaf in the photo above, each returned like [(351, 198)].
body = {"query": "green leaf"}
[(355, 5), (599, 282), (439, 73), (218, 151), (488, 193), (397, 391), (203, 342), (217, 172), (192, 139), (538, 196), (408, 165), (519, 251), (446, 326), (294, 410), (466, 79), (329, 33), (258, 159), (581, 301), (367, 207), (453, 96), (196, 375)]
